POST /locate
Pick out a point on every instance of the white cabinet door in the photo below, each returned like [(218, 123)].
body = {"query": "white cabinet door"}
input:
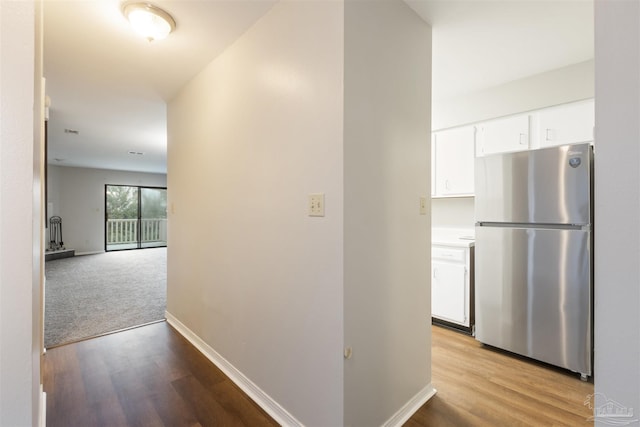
[(503, 135), (566, 124), (433, 165), (454, 159), (448, 299)]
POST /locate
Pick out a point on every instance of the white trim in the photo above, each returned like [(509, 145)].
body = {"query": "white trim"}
[(410, 408), (42, 422), (89, 253), (262, 399)]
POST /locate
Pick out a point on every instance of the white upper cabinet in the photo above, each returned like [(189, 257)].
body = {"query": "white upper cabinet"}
[(454, 157), (566, 124), (453, 151), (504, 135), (433, 165)]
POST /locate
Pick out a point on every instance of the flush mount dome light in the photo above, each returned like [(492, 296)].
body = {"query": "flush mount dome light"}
[(148, 20)]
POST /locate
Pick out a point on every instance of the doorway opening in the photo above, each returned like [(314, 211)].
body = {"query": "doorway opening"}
[(135, 217)]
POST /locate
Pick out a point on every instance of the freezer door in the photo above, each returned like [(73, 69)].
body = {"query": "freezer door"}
[(547, 186), (533, 294)]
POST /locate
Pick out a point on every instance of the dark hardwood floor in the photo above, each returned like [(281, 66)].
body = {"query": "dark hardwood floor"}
[(480, 386), (151, 376), (148, 376)]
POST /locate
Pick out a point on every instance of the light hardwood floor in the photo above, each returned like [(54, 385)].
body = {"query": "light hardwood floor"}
[(480, 386), (152, 376)]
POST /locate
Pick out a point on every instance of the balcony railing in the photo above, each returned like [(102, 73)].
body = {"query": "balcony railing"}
[(125, 231)]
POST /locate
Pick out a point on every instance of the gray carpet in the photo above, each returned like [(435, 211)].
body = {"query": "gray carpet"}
[(95, 294)]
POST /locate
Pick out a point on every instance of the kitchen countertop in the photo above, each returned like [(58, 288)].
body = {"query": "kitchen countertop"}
[(461, 237)]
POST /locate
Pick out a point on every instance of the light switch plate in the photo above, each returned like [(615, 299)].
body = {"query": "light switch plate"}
[(316, 204), (423, 205)]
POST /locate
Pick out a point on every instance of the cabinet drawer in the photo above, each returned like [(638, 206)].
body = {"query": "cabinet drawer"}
[(448, 254)]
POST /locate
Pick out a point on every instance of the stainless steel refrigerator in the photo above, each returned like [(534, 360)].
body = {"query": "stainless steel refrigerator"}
[(534, 254)]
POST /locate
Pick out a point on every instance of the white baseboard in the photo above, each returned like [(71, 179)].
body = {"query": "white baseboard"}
[(262, 399), (277, 412), (410, 408), (89, 253), (42, 422)]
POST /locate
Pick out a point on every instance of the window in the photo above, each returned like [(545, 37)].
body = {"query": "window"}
[(135, 217)]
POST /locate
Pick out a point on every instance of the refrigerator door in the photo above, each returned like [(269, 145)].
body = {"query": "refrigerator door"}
[(533, 293), (546, 186)]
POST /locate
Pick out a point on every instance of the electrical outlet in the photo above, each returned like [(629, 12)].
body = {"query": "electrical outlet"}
[(423, 205), (316, 204)]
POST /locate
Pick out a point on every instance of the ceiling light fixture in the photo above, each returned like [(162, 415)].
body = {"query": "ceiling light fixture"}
[(148, 20)]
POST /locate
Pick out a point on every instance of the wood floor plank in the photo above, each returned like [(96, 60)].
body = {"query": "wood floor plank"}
[(149, 376), (438, 412), (238, 404), (152, 376), (481, 386), (173, 410), (71, 401), (108, 413), (208, 411)]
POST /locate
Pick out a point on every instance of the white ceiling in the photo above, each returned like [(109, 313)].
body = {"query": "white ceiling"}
[(112, 86), (479, 43)]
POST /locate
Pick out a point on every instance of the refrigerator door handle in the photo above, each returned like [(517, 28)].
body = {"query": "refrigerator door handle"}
[(583, 227)]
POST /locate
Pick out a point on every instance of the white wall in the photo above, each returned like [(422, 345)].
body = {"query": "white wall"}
[(248, 271), (53, 190), (567, 84), (454, 212), (37, 221), (617, 198), (252, 275), (387, 242), (19, 289), (77, 196), (617, 204)]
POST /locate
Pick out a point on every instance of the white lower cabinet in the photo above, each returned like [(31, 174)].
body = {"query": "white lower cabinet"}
[(451, 294), (447, 291)]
